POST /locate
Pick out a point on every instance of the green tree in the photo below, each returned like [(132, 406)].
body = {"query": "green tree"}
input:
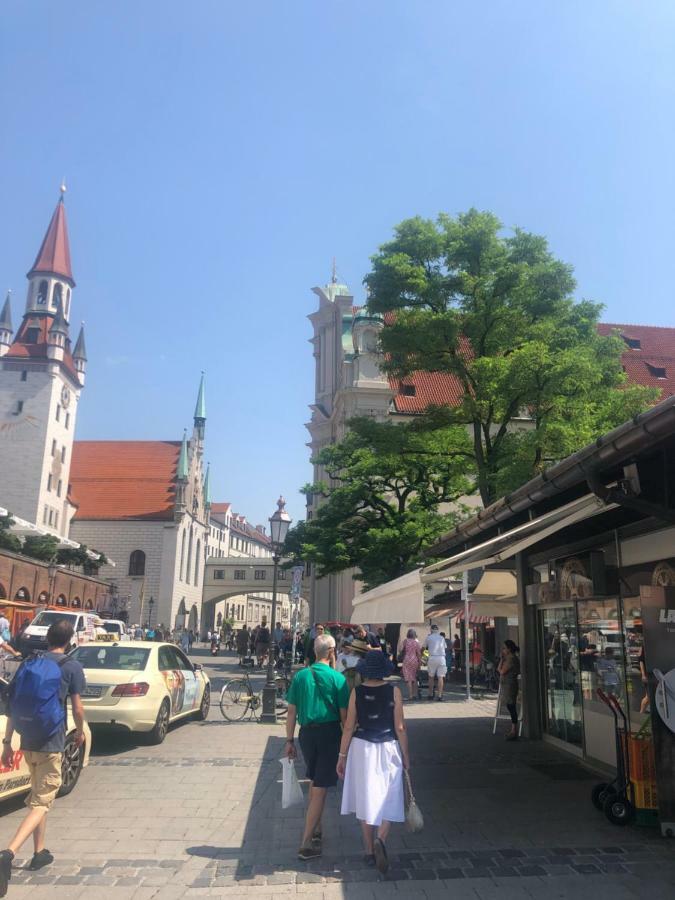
[(8, 541), (381, 504), (496, 312), (41, 546)]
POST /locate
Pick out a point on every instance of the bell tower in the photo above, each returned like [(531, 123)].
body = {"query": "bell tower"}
[(41, 379)]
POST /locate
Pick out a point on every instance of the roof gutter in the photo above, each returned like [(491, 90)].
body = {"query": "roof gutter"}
[(610, 449)]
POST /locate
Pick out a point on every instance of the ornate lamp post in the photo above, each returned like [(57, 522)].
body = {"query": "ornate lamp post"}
[(52, 570), (151, 603), (280, 522)]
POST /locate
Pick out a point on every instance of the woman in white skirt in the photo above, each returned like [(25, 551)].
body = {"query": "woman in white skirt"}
[(373, 754)]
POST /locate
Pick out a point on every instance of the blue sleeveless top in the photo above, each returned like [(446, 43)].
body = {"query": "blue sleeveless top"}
[(375, 713)]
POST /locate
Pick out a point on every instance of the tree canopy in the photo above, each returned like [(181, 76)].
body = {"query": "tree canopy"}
[(381, 504), (496, 312)]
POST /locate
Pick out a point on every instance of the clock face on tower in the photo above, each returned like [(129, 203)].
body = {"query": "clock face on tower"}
[(65, 397)]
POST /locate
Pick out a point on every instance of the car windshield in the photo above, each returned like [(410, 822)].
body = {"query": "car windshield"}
[(48, 618), (133, 659), (111, 627)]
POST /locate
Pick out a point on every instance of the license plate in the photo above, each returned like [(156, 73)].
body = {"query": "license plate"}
[(93, 690)]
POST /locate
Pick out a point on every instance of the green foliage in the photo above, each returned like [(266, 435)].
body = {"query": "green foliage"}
[(41, 547), (497, 313), (77, 557), (8, 541), (381, 504)]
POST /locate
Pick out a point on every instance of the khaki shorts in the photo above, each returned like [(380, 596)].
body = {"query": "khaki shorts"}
[(45, 778), (437, 667)]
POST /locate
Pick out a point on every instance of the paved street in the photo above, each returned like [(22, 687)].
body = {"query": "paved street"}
[(200, 816)]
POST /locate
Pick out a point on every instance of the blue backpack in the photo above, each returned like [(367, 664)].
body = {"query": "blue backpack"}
[(35, 704)]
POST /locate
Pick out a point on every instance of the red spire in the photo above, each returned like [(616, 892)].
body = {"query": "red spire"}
[(54, 254)]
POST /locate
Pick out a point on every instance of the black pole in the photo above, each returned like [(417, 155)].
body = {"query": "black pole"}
[(269, 705)]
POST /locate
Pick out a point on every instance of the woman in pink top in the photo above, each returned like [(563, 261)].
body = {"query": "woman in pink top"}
[(410, 655)]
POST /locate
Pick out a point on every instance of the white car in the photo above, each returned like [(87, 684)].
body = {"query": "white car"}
[(86, 626), (116, 627), (16, 779), (141, 686)]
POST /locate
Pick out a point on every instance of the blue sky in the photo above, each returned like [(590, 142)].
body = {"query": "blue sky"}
[(218, 154)]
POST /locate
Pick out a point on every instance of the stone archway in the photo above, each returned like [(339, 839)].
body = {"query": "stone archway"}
[(193, 620), (180, 615)]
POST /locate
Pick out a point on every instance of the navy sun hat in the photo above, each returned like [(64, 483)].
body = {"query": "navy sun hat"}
[(375, 665)]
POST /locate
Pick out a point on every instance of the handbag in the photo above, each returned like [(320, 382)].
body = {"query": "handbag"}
[(414, 820)]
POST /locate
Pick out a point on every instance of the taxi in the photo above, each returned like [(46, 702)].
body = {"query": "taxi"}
[(141, 686), (15, 779)]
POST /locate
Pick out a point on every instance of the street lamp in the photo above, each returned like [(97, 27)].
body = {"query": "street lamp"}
[(52, 570), (151, 603), (280, 522)]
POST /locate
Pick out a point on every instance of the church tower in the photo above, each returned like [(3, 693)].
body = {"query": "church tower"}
[(40, 383)]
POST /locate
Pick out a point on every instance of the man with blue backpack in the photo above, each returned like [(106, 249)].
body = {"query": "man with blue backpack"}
[(37, 711)]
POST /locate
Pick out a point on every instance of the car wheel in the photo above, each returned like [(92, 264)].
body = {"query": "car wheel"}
[(205, 705), (71, 765), (158, 733)]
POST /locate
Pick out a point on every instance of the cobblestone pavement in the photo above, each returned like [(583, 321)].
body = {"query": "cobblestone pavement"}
[(200, 816)]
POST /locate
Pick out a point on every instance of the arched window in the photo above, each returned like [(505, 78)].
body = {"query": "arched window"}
[(61, 600), (137, 563), (182, 556), (42, 293), (22, 594), (77, 603), (67, 302), (3, 592), (44, 597), (57, 295), (189, 558), (89, 604), (197, 555)]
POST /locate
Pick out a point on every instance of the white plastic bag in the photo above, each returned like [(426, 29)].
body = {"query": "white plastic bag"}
[(291, 792)]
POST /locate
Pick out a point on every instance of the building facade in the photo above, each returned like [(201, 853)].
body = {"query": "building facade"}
[(147, 503), (41, 379)]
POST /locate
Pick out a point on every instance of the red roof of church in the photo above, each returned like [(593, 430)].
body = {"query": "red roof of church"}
[(653, 351), (124, 479), (54, 253)]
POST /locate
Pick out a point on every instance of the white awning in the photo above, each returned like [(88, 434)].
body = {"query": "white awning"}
[(400, 600), (494, 583), (506, 545)]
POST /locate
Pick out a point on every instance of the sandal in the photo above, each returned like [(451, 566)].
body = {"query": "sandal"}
[(381, 858), (306, 853)]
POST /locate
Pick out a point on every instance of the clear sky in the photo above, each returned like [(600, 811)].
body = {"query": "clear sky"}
[(218, 154)]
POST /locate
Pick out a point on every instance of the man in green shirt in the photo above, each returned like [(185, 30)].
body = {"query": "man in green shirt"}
[(318, 698)]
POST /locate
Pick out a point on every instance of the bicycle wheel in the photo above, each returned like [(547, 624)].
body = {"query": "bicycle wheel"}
[(235, 700)]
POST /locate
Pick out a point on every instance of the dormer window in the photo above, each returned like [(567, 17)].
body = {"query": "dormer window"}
[(633, 343), (408, 390), (31, 336), (657, 371)]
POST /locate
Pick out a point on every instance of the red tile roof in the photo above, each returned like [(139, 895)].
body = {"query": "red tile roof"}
[(657, 349), (124, 479), (54, 253), (38, 349), (220, 507)]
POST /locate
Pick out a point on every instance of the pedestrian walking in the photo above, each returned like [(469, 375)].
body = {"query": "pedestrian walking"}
[(410, 655), (457, 652), (243, 639), (509, 670), (318, 697), (262, 643), (185, 641), (373, 754), (310, 637), (37, 710), (436, 666)]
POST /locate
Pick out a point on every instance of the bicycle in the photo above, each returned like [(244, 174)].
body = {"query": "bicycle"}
[(238, 698)]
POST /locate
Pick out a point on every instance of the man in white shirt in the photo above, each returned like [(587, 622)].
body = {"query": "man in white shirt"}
[(437, 667)]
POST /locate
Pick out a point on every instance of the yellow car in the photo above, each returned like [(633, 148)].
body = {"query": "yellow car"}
[(16, 779), (141, 686)]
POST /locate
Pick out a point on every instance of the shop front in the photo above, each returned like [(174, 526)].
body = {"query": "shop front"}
[(592, 546)]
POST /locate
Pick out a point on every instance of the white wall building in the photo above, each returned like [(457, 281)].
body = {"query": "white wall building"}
[(147, 503)]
